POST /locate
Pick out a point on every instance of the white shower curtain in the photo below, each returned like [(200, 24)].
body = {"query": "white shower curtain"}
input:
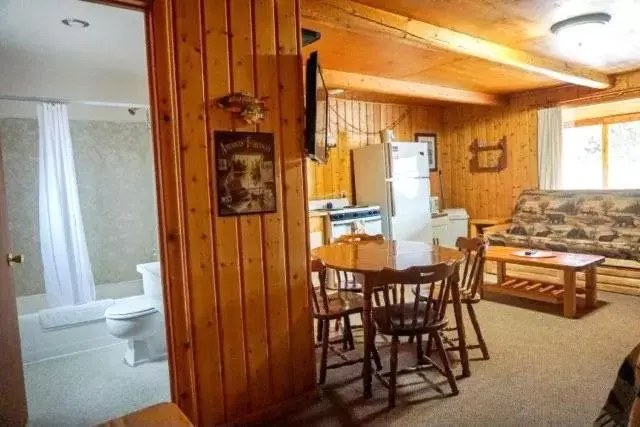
[(67, 270)]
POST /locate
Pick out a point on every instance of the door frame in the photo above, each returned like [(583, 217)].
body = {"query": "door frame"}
[(163, 96)]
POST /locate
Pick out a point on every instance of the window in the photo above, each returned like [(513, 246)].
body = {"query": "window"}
[(582, 157), (600, 156), (624, 155)]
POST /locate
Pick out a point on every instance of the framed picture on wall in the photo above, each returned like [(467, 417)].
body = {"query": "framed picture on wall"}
[(431, 139), (245, 172)]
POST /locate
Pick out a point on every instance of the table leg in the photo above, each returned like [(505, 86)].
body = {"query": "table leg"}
[(462, 341), (366, 326), (591, 293), (569, 293)]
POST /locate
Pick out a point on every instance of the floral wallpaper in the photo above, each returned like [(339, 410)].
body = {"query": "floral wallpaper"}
[(114, 167)]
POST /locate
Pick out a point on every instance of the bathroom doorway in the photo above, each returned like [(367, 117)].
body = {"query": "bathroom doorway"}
[(85, 274)]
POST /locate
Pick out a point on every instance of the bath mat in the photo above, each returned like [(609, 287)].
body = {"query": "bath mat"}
[(70, 315)]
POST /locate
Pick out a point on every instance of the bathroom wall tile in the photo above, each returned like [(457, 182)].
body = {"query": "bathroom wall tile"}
[(114, 167)]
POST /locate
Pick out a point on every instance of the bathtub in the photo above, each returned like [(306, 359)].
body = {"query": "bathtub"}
[(38, 344)]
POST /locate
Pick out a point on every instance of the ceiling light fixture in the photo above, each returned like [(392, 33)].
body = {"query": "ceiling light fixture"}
[(75, 23), (582, 27), (334, 92)]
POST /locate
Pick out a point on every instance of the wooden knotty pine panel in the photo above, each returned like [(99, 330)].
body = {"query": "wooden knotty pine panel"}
[(494, 194), (236, 292), (487, 195), (353, 123)]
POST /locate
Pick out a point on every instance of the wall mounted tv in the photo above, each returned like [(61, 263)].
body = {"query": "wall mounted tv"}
[(317, 111)]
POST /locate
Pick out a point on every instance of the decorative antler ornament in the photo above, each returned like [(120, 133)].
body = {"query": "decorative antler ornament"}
[(249, 108)]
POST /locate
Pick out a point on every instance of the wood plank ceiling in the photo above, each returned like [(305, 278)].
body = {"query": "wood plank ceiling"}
[(522, 25)]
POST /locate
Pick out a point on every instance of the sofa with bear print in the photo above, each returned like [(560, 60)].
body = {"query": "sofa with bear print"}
[(602, 222)]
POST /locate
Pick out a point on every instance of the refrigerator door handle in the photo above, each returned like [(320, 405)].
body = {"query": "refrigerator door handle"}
[(387, 160), (392, 202)]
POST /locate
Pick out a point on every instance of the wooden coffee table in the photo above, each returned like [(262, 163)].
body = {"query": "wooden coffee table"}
[(565, 294)]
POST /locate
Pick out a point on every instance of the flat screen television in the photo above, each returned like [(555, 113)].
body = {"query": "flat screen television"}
[(317, 111)]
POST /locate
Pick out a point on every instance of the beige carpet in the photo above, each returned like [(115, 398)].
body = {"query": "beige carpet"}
[(545, 370)]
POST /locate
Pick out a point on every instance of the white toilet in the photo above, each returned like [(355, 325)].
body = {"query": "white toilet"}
[(140, 319)]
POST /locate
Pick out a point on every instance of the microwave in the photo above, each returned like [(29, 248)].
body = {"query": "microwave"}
[(435, 204)]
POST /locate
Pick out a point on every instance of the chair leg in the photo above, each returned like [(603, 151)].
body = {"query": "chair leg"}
[(319, 330), (374, 350), (429, 348), (325, 349), (445, 363), (476, 326), (347, 335), (393, 371), (419, 349)]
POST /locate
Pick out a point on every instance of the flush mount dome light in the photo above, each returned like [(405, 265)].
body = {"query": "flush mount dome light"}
[(583, 23), (75, 23)]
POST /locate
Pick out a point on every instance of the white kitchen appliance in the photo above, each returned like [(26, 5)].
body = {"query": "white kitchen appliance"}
[(396, 177), (354, 219)]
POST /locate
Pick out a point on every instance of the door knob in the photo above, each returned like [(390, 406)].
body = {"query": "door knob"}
[(14, 258)]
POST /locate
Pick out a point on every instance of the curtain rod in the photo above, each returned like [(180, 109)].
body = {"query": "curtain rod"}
[(69, 101)]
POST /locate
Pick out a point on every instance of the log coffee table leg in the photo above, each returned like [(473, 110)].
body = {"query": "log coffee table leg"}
[(569, 293), (591, 293)]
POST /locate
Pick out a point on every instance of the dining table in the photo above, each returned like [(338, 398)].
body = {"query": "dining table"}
[(366, 259)]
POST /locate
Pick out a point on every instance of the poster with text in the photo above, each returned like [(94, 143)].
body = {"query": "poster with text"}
[(245, 172)]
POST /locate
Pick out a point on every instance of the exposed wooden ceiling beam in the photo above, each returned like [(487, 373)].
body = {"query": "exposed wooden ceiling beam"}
[(347, 14), (364, 83)]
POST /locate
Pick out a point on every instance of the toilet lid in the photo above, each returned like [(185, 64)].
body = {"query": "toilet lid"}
[(131, 308)]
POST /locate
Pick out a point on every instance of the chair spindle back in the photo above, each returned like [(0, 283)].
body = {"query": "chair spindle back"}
[(395, 284), (318, 295), (474, 250)]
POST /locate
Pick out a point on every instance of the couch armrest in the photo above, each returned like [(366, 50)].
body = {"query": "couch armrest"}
[(499, 228)]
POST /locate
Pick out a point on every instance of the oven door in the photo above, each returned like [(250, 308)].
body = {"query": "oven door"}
[(340, 228), (371, 226)]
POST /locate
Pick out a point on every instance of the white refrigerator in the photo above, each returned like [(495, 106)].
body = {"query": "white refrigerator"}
[(396, 177)]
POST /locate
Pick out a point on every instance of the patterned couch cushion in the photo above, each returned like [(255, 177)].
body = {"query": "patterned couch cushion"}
[(600, 222)]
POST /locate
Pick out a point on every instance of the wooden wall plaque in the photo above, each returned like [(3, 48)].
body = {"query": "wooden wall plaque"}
[(496, 165)]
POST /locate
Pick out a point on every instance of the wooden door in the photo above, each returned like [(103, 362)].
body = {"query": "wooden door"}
[(13, 398)]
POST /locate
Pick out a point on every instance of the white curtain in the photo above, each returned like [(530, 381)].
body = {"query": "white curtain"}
[(550, 148), (67, 270)]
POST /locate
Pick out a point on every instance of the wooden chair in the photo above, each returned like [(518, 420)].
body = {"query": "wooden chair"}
[(336, 306), (344, 281), (474, 250), (398, 317), (471, 277), (320, 270)]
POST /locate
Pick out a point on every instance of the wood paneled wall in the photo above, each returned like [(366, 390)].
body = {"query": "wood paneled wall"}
[(357, 123), (240, 330), (488, 195), (494, 194)]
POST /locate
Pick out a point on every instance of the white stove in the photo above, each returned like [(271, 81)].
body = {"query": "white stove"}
[(354, 219), (343, 218)]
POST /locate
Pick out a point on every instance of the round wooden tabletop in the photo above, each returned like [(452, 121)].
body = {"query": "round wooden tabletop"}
[(373, 256)]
